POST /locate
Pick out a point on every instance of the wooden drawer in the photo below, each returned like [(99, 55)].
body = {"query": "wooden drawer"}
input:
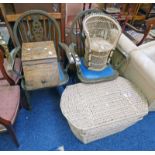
[(41, 75)]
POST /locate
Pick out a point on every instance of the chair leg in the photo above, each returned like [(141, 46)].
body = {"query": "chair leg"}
[(24, 102), (26, 94), (28, 99), (12, 133)]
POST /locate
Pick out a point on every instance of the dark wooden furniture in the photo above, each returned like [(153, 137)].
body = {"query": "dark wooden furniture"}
[(9, 106), (85, 7), (3, 73), (132, 10), (13, 74), (151, 12), (8, 111), (140, 34)]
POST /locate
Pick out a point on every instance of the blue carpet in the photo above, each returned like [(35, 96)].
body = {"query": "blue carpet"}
[(45, 128)]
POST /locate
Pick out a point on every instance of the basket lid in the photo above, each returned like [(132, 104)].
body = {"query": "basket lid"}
[(89, 106)]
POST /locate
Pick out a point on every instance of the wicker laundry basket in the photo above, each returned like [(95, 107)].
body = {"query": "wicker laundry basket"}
[(102, 34), (93, 114)]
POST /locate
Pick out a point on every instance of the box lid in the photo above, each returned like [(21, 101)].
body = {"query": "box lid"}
[(38, 50)]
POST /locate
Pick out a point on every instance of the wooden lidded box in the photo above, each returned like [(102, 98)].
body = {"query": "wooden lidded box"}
[(40, 65)]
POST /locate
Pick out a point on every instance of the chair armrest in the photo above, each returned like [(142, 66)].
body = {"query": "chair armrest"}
[(12, 57), (11, 62), (3, 71), (68, 52), (145, 65), (125, 45), (124, 48), (75, 56)]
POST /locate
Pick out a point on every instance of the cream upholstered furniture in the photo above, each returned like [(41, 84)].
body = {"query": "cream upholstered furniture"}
[(102, 34), (125, 45), (140, 71), (140, 67), (94, 111)]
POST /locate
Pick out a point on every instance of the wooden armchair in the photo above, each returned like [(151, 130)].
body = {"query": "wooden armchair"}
[(36, 26), (141, 34), (11, 100)]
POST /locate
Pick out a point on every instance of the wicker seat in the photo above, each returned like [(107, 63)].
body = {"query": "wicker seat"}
[(102, 34), (93, 115)]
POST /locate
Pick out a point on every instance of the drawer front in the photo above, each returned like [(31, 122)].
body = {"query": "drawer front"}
[(41, 75)]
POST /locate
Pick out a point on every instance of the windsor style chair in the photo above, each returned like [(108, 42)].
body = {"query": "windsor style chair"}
[(35, 26)]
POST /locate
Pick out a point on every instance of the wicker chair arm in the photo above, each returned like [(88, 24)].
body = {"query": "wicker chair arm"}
[(68, 52), (75, 56)]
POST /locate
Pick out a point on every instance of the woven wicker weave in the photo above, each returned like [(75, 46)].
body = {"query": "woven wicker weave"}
[(102, 34), (112, 107)]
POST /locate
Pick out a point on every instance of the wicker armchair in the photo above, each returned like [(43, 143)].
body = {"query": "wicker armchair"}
[(80, 52), (102, 34)]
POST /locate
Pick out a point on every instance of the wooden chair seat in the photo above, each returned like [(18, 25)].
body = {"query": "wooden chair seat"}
[(9, 108)]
